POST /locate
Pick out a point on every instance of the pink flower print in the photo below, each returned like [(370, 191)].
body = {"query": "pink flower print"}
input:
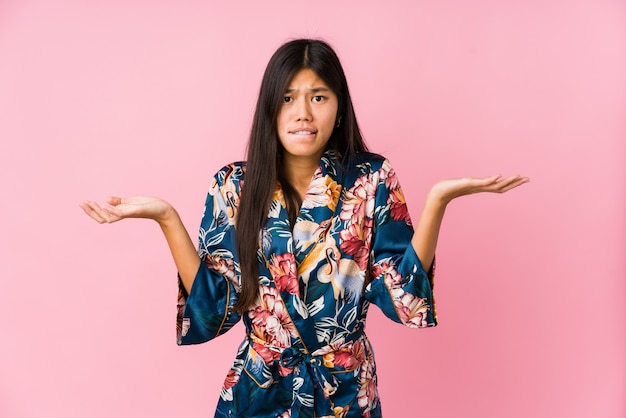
[(182, 324), (388, 175), (390, 275), (359, 200), (271, 323), (268, 356), (224, 266), (412, 310), (350, 356), (355, 241), (367, 397), (283, 269)]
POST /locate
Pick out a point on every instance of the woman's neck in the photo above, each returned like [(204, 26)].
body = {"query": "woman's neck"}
[(299, 172)]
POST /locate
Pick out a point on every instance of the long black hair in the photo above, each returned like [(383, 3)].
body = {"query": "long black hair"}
[(264, 166)]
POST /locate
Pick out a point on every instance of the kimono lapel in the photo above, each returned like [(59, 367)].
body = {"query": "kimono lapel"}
[(291, 256), (317, 213)]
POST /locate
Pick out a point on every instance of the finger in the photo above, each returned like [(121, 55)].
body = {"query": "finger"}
[(107, 213), (493, 184), (487, 181), (85, 207), (512, 185), (92, 210), (504, 182)]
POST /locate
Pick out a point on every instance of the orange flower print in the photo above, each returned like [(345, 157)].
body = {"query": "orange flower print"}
[(278, 195), (341, 411), (232, 378), (399, 211), (322, 191)]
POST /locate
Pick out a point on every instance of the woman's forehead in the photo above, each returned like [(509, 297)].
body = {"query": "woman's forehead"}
[(306, 79)]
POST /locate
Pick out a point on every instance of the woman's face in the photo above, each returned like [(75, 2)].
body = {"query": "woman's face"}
[(307, 117)]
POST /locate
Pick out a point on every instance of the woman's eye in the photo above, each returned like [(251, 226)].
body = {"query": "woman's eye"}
[(286, 99), (318, 99)]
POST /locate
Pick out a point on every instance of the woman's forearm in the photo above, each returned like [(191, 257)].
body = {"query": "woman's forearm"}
[(182, 248), (427, 230)]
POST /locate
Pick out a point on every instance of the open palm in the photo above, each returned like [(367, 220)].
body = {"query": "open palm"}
[(118, 208), (449, 189)]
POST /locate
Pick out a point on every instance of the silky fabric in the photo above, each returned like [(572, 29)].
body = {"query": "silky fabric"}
[(305, 353)]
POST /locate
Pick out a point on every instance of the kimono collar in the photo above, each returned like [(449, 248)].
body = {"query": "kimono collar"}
[(317, 210), (286, 267), (283, 251)]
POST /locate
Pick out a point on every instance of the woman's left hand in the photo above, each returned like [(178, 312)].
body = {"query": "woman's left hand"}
[(442, 193), (447, 190)]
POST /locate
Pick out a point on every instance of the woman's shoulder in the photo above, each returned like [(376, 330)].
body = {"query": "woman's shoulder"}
[(233, 172), (372, 157), (368, 159)]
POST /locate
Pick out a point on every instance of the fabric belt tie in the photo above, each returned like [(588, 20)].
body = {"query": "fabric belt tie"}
[(312, 385)]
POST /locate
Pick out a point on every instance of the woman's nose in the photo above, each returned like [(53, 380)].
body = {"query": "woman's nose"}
[(303, 110)]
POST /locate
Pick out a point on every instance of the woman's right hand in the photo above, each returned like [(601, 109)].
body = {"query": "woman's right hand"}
[(118, 208), (182, 248)]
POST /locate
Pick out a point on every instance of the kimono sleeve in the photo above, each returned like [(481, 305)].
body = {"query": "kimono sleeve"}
[(399, 285), (206, 312)]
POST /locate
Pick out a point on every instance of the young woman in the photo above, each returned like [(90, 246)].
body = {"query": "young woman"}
[(298, 241)]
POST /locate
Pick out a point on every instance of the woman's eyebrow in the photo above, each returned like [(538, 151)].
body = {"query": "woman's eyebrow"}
[(313, 90)]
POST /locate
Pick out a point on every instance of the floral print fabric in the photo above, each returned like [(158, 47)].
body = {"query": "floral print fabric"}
[(305, 353)]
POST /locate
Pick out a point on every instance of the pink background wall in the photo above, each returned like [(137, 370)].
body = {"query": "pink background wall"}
[(152, 97)]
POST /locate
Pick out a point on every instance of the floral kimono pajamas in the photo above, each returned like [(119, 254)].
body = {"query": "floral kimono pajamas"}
[(305, 353)]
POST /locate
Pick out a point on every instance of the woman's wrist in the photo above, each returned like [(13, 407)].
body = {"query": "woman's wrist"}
[(168, 217), (437, 199)]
